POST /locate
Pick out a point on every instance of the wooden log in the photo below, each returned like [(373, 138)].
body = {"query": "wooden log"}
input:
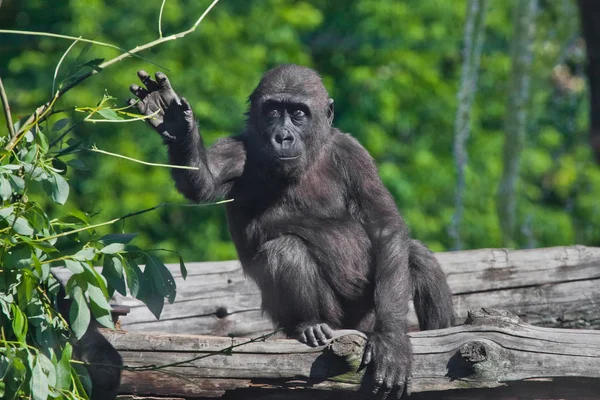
[(494, 349), (553, 287)]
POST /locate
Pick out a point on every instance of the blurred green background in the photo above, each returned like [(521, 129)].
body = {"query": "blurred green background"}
[(393, 68)]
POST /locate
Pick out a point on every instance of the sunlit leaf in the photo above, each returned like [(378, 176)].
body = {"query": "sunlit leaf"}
[(39, 382), (5, 188), (79, 314), (57, 187), (112, 270), (113, 248), (63, 368)]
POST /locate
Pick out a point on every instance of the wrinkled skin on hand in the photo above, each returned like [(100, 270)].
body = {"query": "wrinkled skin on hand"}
[(170, 115), (388, 359)]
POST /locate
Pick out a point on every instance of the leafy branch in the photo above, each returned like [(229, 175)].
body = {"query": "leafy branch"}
[(41, 111)]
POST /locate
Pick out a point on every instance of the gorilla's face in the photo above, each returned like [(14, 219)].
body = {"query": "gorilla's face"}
[(289, 119)]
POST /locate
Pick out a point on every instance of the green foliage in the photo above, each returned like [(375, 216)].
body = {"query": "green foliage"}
[(392, 68)]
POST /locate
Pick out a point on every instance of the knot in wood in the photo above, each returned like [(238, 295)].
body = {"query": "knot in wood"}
[(221, 312), (473, 352), (491, 316)]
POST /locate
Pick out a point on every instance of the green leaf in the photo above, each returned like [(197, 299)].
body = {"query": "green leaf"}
[(17, 183), (112, 270), (79, 314), (117, 238), (110, 114), (18, 257), (39, 381), (182, 268), (48, 368), (19, 323), (36, 173), (5, 188), (74, 266), (161, 277), (60, 124), (63, 368), (22, 227), (57, 187), (85, 254), (134, 275), (100, 307), (77, 164), (113, 248)]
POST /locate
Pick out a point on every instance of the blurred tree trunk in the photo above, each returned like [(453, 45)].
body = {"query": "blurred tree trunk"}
[(515, 120), (589, 11), (472, 45)]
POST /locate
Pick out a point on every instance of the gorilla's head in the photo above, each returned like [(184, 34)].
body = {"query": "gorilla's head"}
[(289, 119)]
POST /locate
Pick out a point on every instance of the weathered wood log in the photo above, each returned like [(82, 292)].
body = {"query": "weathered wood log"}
[(494, 349), (553, 287)]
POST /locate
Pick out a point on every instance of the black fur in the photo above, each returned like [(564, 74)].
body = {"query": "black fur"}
[(311, 220)]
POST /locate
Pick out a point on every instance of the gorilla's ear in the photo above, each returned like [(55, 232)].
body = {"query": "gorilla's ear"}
[(330, 112)]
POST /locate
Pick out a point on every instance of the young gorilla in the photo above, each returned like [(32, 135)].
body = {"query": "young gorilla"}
[(312, 223)]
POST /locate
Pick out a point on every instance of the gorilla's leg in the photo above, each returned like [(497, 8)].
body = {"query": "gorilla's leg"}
[(295, 295)]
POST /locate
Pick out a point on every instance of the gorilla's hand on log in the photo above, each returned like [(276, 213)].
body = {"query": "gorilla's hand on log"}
[(388, 360), (170, 115)]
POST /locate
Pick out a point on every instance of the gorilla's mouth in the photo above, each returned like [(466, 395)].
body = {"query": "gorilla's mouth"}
[(289, 158)]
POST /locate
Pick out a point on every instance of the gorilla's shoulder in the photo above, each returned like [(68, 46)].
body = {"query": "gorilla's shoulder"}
[(349, 148)]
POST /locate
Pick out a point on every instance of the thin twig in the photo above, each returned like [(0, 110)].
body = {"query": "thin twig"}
[(60, 62), (133, 214), (6, 108), (41, 109), (97, 150), (162, 6)]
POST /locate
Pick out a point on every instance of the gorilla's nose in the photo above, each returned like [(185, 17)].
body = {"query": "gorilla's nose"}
[(283, 139)]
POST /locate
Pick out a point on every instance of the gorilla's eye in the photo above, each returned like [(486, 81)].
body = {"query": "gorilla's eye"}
[(298, 113), (273, 112)]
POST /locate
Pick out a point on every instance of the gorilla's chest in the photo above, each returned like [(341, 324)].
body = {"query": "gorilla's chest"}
[(261, 214)]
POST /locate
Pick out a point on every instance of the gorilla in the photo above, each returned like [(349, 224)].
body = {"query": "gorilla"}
[(312, 223)]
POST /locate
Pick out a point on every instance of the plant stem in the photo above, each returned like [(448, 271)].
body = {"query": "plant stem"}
[(6, 108), (97, 150), (133, 214)]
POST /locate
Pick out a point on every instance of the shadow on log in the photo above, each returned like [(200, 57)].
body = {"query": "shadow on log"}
[(494, 355)]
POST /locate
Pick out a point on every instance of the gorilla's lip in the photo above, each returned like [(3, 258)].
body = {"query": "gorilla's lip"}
[(289, 158)]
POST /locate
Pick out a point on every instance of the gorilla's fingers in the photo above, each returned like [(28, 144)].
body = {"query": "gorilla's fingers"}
[(147, 80), (321, 338), (367, 356), (310, 337), (163, 81), (302, 337), (327, 331), (141, 106), (408, 385), (378, 381), (185, 106), (138, 91)]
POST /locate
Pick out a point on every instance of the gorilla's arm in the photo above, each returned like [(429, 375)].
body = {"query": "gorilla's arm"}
[(388, 353), (172, 117)]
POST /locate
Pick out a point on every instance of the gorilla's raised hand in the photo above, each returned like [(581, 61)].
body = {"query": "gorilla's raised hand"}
[(170, 115), (388, 358)]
